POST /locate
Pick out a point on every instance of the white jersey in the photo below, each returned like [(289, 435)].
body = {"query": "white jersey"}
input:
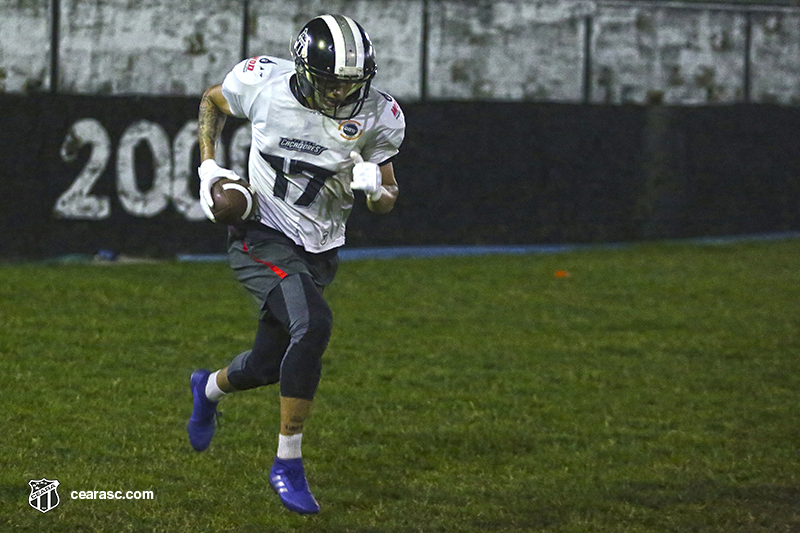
[(300, 165)]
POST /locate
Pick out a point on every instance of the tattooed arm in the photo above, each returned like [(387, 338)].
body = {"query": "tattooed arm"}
[(213, 111)]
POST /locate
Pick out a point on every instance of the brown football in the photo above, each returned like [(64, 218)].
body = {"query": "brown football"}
[(233, 201)]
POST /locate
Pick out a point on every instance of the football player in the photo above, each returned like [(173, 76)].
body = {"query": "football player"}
[(320, 130)]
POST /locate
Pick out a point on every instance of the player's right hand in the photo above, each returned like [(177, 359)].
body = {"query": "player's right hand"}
[(210, 172), (366, 177)]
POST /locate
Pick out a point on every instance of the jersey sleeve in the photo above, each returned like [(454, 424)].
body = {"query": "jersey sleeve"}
[(389, 131), (244, 82)]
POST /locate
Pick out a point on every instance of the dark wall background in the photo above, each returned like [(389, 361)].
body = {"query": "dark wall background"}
[(544, 173), (469, 173)]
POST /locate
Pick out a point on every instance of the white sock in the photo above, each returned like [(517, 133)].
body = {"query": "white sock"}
[(213, 392), (289, 446)]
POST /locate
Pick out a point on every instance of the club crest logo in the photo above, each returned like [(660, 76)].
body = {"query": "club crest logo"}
[(43, 494)]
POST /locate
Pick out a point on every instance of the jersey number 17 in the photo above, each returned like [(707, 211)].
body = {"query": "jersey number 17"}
[(282, 166)]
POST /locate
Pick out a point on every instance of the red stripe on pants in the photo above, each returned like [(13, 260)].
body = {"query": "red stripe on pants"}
[(281, 274)]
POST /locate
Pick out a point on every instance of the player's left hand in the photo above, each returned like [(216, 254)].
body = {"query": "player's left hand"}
[(366, 177)]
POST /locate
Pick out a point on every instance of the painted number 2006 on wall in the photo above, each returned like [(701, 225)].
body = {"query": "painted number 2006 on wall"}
[(172, 170)]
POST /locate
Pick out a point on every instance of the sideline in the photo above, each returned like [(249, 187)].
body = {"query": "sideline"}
[(109, 257), (421, 252)]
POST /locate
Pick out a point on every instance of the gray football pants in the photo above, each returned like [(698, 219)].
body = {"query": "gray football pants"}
[(290, 341)]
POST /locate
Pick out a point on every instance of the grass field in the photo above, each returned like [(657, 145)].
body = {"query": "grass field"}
[(654, 388)]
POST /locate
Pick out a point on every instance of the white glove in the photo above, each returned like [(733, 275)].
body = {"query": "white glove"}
[(366, 177), (210, 172)]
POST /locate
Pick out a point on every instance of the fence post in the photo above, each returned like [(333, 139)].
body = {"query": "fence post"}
[(748, 43), (587, 59), (55, 26), (423, 78), (245, 29)]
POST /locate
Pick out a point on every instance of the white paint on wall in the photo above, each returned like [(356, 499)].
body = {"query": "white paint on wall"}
[(505, 50)]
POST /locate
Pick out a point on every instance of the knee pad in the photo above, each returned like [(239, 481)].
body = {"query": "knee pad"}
[(261, 365), (247, 372)]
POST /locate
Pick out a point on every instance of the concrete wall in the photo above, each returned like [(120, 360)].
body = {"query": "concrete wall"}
[(695, 54), (511, 50), (677, 55), (147, 46), (88, 173), (776, 57), (395, 27), (536, 50), (24, 45)]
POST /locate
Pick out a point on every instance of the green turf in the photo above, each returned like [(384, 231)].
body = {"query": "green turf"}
[(655, 388)]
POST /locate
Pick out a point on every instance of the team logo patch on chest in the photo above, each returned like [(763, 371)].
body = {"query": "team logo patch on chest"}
[(350, 130), (299, 145)]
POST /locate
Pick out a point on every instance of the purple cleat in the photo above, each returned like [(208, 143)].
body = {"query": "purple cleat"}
[(203, 420), (288, 479)]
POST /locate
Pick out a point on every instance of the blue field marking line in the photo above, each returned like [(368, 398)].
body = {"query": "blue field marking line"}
[(730, 239), (422, 252), (202, 258)]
